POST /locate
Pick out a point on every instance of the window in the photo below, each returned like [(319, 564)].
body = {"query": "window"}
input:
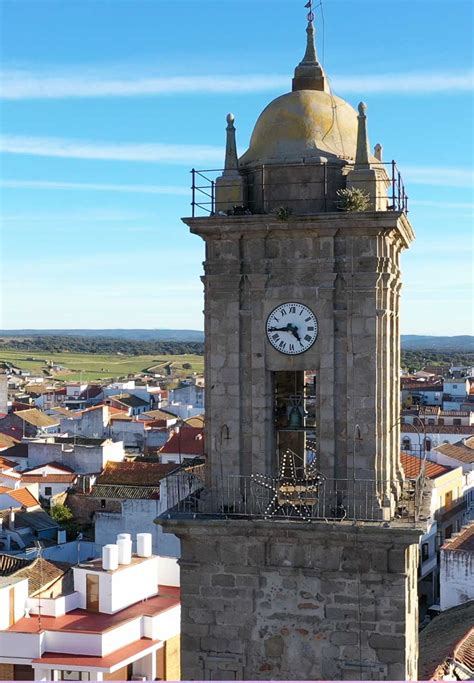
[(457, 421), (425, 551), (48, 490), (74, 676), (448, 499), (103, 503), (431, 421), (428, 444), (406, 444), (441, 421), (448, 532)]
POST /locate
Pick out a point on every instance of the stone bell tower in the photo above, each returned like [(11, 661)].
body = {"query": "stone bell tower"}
[(297, 559)]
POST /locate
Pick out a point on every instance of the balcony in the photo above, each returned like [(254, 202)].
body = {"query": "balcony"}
[(299, 499), (447, 512), (267, 189)]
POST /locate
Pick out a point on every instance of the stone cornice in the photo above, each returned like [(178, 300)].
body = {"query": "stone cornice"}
[(325, 224)]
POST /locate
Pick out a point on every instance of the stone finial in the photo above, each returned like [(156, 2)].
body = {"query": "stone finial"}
[(231, 164), (309, 74), (378, 149), (362, 151)]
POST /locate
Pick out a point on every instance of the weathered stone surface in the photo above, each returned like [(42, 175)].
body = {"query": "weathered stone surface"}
[(300, 619)]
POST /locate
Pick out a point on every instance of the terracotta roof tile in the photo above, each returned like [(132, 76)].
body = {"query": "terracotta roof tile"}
[(412, 465), (438, 641), (7, 441), (464, 652), (135, 473), (40, 574), (457, 451), (37, 418), (188, 441), (49, 478), (463, 541), (439, 429), (6, 464), (24, 497)]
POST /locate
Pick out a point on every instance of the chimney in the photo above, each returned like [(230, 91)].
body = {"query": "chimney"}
[(11, 519)]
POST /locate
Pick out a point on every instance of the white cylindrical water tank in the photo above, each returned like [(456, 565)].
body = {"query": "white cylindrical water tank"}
[(124, 550), (144, 545), (110, 557), (127, 537)]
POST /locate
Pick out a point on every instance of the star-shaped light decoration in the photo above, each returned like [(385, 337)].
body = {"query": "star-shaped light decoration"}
[(293, 495)]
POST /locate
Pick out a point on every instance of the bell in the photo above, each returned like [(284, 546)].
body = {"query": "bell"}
[(295, 419)]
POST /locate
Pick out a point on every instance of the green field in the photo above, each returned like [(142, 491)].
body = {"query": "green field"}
[(90, 366)]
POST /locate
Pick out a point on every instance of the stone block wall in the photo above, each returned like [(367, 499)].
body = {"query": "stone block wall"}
[(271, 600)]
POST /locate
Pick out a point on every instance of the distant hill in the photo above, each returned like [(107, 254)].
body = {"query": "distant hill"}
[(410, 342), (415, 342), (123, 334)]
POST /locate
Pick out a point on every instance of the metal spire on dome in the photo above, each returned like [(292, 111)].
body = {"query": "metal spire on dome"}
[(309, 74), (310, 56)]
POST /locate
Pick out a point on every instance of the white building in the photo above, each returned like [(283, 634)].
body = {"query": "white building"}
[(145, 490), (52, 479), (80, 454), (121, 621), (457, 569)]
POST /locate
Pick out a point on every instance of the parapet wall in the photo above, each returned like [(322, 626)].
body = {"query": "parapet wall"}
[(270, 600)]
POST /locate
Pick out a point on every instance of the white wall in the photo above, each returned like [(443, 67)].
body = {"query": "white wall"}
[(121, 588), (82, 459), (137, 516), (21, 596), (456, 578)]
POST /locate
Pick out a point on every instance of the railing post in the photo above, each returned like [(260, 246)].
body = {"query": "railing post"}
[(399, 191), (326, 186), (212, 197), (193, 189), (393, 185)]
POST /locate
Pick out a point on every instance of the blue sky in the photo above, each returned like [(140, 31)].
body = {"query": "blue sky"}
[(106, 105)]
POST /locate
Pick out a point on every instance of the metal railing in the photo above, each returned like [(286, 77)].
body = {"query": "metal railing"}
[(261, 190), (262, 497)]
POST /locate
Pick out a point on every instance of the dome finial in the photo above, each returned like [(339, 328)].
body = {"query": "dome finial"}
[(231, 164), (309, 74)]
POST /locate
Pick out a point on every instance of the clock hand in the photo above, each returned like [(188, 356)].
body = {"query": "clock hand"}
[(278, 329)]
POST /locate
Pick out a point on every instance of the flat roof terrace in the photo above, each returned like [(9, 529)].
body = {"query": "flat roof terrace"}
[(82, 621)]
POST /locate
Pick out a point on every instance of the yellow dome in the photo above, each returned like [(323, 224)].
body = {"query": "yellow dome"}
[(304, 124)]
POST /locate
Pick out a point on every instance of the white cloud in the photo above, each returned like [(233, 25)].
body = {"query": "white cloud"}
[(29, 84), (95, 187), (110, 151), (445, 176)]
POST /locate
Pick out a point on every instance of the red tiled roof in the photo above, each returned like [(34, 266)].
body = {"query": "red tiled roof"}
[(457, 451), (188, 441), (49, 478), (412, 465), (122, 654), (6, 464), (439, 640), (463, 541), (97, 622), (24, 497), (135, 473), (439, 429), (7, 441), (464, 652)]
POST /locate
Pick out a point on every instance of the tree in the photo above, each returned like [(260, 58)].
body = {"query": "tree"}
[(61, 513)]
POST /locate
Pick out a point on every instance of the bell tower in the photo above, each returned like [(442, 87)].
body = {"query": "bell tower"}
[(298, 559)]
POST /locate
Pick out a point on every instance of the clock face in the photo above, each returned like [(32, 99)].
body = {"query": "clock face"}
[(292, 328)]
